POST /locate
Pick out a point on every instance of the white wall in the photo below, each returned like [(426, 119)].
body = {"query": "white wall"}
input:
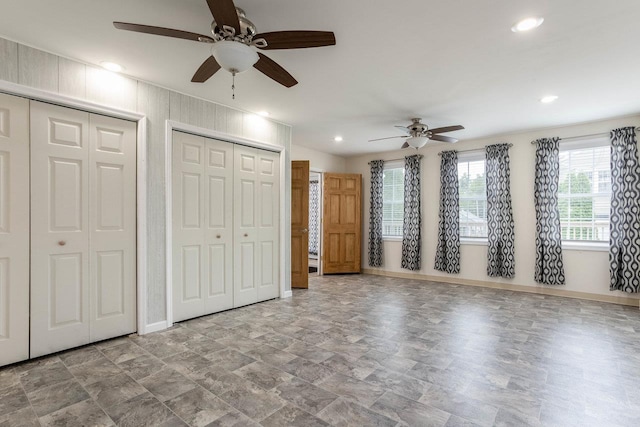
[(34, 68), (319, 160), (586, 271)]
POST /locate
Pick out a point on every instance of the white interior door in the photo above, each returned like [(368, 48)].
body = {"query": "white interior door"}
[(268, 224), (188, 217), (246, 241), (59, 228), (202, 187), (218, 225), (112, 224), (14, 229)]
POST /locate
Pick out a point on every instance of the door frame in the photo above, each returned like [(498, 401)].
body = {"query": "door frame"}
[(320, 172), (141, 179), (172, 125)]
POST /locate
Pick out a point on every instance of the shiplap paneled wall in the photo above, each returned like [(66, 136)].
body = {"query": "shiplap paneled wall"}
[(34, 68)]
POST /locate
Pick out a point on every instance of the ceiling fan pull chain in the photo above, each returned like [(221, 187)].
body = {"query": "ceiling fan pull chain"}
[(233, 85)]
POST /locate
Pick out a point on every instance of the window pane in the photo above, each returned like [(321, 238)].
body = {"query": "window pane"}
[(393, 202), (584, 192), (473, 198)]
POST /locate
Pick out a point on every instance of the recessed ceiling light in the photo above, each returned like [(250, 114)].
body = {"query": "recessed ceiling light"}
[(264, 113), (527, 24), (338, 139), (548, 99), (112, 66)]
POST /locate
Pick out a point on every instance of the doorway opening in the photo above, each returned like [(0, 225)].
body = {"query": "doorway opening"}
[(315, 220)]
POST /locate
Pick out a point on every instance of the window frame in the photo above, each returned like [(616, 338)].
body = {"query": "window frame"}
[(393, 164), (580, 144), (467, 157)]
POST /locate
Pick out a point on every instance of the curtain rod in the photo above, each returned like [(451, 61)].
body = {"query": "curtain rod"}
[(395, 160), (593, 135), (475, 149)]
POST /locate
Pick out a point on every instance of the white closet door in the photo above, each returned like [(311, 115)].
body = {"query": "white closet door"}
[(14, 229), (268, 224), (59, 228), (246, 262), (202, 226), (218, 225), (112, 224), (188, 223)]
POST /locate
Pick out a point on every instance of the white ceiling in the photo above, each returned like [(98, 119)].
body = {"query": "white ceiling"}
[(449, 62)]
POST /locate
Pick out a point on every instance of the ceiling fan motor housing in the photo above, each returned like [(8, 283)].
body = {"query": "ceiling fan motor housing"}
[(247, 28), (417, 129)]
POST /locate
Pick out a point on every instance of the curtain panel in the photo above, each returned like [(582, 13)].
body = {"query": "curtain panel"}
[(624, 250), (448, 249), (549, 268), (412, 224), (375, 213), (314, 220), (500, 250)]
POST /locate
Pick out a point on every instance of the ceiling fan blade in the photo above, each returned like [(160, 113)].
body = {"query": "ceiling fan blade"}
[(161, 31), (224, 13), (405, 145), (403, 128), (208, 68), (297, 39), (391, 137), (271, 69), (446, 129), (443, 138)]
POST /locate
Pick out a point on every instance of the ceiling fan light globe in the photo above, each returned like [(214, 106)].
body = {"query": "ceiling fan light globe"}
[(235, 57), (417, 141)]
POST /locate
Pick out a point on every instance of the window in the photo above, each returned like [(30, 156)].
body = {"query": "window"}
[(473, 195), (584, 192), (393, 199)]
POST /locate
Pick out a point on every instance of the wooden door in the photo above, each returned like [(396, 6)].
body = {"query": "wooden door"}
[(14, 229), (341, 223), (300, 224), (112, 224), (202, 187), (246, 263), (59, 228)]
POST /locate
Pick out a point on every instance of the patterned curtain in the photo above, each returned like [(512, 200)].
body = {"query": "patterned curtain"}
[(500, 252), (549, 265), (314, 220), (624, 251), (448, 250), (375, 214), (412, 223)]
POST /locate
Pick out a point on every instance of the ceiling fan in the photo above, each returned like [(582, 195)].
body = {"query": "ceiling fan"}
[(233, 38), (418, 134)]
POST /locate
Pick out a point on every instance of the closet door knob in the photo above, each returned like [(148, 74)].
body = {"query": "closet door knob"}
[(246, 234), (62, 243), (217, 236)]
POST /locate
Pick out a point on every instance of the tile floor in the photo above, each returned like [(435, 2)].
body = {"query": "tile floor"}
[(352, 351)]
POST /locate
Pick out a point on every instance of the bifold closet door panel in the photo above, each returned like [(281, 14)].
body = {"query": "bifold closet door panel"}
[(246, 242), (218, 225), (202, 187), (112, 224), (59, 228), (268, 224), (187, 231), (14, 229)]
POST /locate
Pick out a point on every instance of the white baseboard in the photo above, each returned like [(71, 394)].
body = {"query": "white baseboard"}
[(287, 294), (633, 301), (154, 327)]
